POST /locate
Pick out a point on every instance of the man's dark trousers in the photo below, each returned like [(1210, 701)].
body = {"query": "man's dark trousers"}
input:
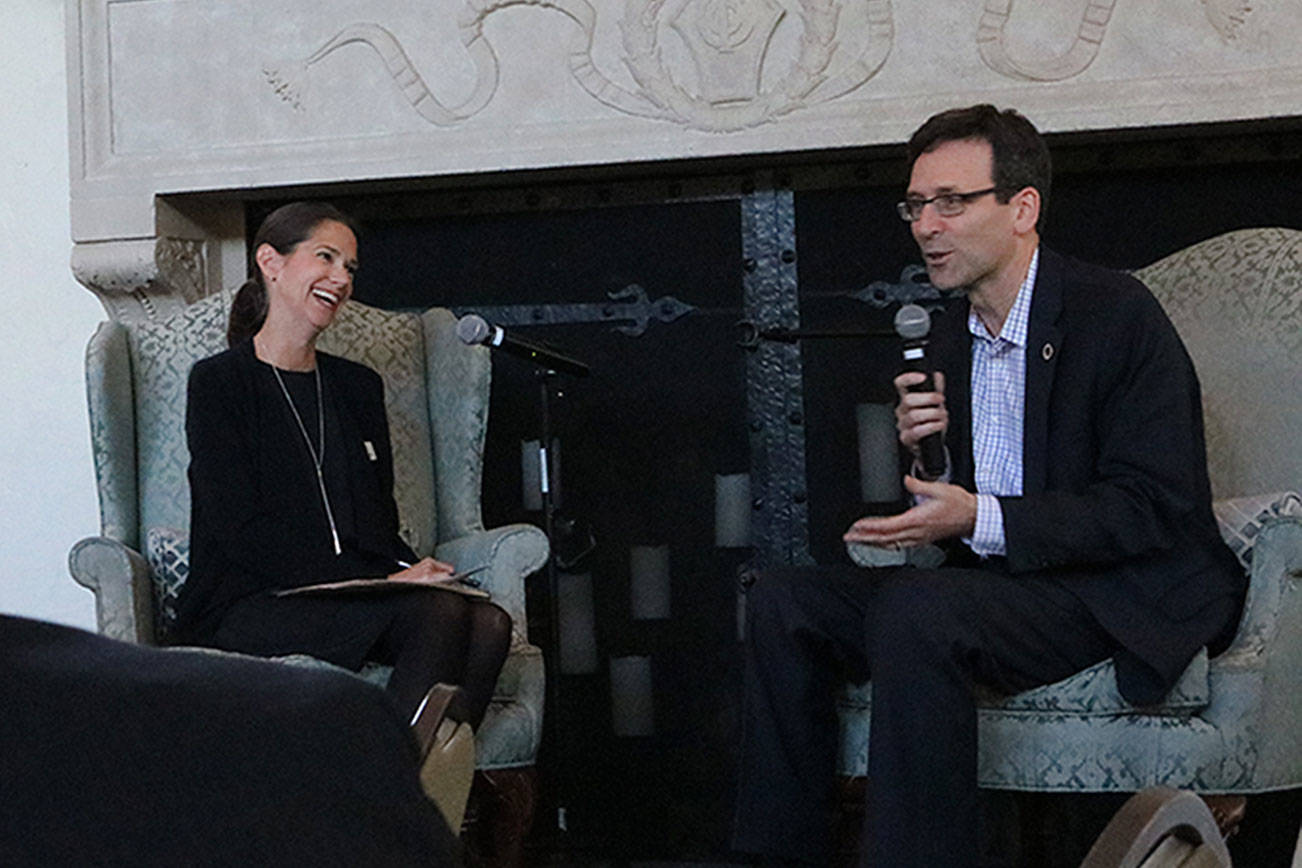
[(927, 637)]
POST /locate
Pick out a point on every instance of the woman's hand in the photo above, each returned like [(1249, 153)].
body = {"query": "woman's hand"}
[(425, 570)]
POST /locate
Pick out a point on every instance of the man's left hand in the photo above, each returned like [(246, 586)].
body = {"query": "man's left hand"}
[(943, 511)]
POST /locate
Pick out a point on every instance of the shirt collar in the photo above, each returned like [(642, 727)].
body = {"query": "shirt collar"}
[(1018, 320)]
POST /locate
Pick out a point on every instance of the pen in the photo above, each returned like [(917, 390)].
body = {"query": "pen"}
[(455, 577)]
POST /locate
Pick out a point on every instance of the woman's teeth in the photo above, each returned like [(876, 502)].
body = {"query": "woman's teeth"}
[(328, 297)]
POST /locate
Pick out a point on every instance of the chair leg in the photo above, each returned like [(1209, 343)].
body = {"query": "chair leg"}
[(502, 803), (1228, 812), (851, 792)]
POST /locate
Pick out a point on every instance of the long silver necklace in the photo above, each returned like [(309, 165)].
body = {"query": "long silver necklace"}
[(318, 459)]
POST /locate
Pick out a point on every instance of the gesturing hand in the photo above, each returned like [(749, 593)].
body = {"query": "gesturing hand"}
[(944, 511), (427, 570)]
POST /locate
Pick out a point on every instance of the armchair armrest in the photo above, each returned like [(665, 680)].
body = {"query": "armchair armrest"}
[(924, 557), (119, 577), (1254, 684), (512, 552), (1275, 582), (111, 406)]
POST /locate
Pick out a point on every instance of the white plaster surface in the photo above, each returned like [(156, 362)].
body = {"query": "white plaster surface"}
[(47, 486), (219, 94)]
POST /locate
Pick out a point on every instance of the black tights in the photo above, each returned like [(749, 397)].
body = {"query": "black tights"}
[(449, 638)]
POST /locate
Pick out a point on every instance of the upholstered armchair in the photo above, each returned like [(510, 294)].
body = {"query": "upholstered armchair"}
[(1230, 726), (436, 391)]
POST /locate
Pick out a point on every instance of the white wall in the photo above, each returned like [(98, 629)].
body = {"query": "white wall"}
[(47, 485)]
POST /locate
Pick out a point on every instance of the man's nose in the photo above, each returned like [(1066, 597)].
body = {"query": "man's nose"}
[(929, 221)]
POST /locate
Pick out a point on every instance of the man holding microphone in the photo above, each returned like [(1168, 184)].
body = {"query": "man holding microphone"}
[(1074, 511)]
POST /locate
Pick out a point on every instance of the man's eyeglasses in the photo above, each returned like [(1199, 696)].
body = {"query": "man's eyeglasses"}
[(947, 204)]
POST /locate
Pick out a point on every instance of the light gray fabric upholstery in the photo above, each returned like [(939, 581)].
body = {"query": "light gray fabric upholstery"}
[(110, 394), (1230, 724), (1236, 300), (436, 397)]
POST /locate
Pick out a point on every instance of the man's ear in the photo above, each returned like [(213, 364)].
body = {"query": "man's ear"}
[(268, 260), (1027, 214)]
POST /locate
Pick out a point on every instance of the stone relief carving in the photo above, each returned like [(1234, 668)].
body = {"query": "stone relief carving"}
[(729, 42), (142, 279), (1073, 61), (180, 265), (1229, 17)]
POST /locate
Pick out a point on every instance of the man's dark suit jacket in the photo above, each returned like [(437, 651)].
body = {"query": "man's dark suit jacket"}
[(1116, 504)]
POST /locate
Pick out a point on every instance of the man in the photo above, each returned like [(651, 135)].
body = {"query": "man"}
[(1075, 513)]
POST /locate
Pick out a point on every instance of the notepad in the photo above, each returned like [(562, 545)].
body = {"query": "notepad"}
[(455, 584)]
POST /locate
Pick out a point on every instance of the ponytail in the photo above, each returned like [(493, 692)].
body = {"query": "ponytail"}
[(248, 311)]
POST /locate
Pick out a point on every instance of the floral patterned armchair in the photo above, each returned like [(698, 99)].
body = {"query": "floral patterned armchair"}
[(1230, 725), (436, 391)]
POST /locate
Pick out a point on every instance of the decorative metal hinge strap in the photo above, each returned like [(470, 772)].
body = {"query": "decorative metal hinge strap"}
[(629, 305)]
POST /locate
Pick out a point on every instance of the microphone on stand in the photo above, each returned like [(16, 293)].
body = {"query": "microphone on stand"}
[(913, 324), (474, 329)]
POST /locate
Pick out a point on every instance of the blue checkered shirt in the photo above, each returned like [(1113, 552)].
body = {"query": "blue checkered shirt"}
[(998, 411)]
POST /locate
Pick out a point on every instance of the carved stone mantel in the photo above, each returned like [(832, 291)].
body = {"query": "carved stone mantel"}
[(231, 97), (143, 278)]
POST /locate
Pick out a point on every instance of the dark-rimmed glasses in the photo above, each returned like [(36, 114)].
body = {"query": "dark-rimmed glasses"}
[(947, 204)]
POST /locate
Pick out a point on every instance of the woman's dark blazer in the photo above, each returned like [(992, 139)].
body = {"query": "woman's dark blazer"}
[(256, 520), (1116, 503)]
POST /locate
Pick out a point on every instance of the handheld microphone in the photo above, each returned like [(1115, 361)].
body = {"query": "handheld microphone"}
[(913, 324), (474, 329)]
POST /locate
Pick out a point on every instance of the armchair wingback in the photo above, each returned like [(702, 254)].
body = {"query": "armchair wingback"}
[(436, 394), (1230, 724)]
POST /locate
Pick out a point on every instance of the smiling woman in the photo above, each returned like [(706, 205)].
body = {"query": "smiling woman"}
[(291, 483), (298, 234)]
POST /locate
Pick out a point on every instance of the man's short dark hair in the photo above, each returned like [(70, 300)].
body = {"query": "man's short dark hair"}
[(1021, 159)]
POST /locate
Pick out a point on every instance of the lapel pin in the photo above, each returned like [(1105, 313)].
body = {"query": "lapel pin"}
[(1046, 352), (370, 450)]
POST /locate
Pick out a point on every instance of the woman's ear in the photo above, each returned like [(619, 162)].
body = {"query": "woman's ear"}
[(268, 260)]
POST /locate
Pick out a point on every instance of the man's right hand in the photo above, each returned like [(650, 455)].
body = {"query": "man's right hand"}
[(919, 413)]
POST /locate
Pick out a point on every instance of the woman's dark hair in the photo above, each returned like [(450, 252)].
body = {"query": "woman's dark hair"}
[(1020, 157), (284, 229)]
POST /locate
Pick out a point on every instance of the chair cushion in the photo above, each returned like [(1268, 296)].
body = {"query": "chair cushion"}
[(1242, 518), (1093, 691)]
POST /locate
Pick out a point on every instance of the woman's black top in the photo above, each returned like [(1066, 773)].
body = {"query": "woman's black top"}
[(257, 522)]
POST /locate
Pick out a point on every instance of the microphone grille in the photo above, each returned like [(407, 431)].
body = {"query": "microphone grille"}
[(912, 322), (472, 329)]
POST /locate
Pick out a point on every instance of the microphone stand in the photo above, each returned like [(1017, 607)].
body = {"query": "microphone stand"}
[(547, 365), (552, 734)]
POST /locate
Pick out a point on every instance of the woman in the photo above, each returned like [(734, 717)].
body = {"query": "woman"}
[(291, 480)]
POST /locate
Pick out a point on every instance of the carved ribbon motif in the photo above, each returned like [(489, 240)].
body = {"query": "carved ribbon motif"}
[(1089, 36), (729, 42), (731, 36)]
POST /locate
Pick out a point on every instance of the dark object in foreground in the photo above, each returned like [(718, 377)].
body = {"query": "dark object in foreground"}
[(118, 754)]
